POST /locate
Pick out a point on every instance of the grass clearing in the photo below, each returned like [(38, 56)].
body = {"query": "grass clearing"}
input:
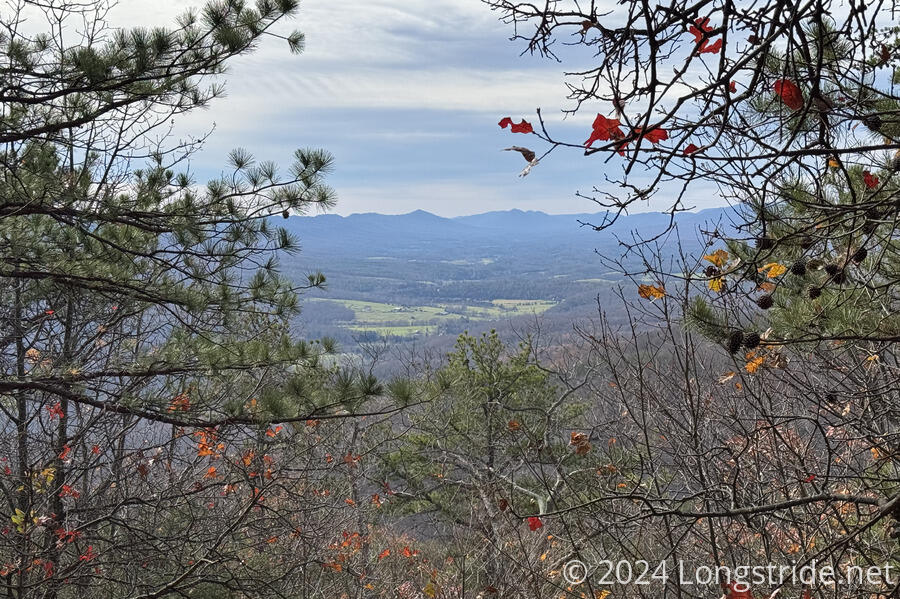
[(407, 321), (397, 331)]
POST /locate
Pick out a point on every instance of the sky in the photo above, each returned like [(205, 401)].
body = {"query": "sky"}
[(406, 94)]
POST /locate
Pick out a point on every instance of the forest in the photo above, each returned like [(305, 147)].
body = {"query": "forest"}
[(717, 419)]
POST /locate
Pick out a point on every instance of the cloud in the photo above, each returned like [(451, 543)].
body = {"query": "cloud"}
[(407, 95)]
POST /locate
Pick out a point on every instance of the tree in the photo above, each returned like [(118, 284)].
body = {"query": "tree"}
[(150, 373), (739, 96), (485, 458), (782, 448)]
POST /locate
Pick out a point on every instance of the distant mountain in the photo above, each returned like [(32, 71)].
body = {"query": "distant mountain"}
[(373, 234)]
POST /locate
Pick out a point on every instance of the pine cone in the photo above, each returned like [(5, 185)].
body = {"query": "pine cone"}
[(814, 292), (860, 255), (873, 122), (285, 214), (807, 242), (765, 302), (711, 271), (765, 243), (832, 269), (735, 339), (751, 340), (799, 268)]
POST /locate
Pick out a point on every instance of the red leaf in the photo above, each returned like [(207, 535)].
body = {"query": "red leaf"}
[(698, 33), (604, 129), (712, 48), (88, 555), (68, 491), (654, 135), (701, 39), (534, 523), (384, 554), (690, 149), (870, 180), (65, 452), (56, 411), (523, 127), (732, 87), (790, 93), (810, 478), (737, 590)]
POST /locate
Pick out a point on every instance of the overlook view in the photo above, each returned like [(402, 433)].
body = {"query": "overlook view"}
[(449, 299)]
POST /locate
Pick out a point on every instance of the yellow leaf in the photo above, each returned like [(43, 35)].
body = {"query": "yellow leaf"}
[(601, 594), (773, 269), (767, 287), (718, 257), (430, 590), (872, 358), (716, 284), (833, 163), (651, 292)]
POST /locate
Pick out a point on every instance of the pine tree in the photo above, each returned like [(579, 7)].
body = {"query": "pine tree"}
[(149, 362)]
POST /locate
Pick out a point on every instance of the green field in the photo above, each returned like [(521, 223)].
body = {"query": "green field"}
[(397, 331), (408, 321)]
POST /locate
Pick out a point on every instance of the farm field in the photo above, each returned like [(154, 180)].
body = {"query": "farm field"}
[(395, 320)]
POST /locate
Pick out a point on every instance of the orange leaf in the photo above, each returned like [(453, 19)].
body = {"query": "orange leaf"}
[(651, 292), (754, 363), (384, 554), (718, 258)]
